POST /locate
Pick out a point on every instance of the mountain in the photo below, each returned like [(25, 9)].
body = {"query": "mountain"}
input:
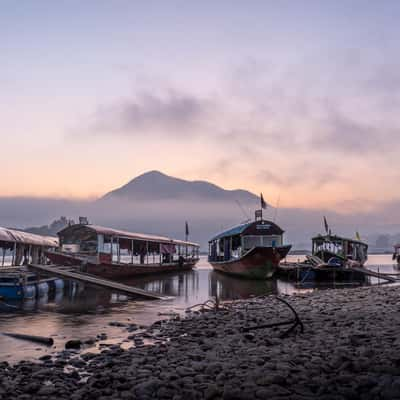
[(159, 204), (155, 185)]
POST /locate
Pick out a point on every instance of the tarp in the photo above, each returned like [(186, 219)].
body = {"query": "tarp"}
[(123, 234), (14, 236)]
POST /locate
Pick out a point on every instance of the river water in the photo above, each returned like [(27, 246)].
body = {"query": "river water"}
[(81, 312)]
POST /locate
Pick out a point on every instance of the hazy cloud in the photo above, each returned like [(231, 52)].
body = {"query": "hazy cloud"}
[(173, 113), (300, 175)]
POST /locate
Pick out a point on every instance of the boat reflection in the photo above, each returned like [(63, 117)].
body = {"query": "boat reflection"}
[(227, 287)]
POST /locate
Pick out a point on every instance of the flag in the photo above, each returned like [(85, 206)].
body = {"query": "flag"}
[(263, 203), (326, 225), (358, 237), (186, 228)]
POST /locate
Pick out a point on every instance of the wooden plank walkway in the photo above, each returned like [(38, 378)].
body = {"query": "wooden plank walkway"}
[(69, 273), (374, 274)]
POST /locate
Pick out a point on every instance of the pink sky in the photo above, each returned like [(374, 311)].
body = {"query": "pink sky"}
[(271, 98)]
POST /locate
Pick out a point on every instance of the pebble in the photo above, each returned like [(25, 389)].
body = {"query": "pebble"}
[(349, 350), (73, 344)]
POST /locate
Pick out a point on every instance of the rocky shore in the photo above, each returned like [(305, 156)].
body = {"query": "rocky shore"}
[(350, 349)]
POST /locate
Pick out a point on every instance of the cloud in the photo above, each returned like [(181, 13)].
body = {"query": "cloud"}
[(300, 175), (341, 133), (173, 113)]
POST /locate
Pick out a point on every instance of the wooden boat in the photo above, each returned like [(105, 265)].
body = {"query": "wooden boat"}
[(24, 247), (338, 251), (116, 254), (396, 254), (250, 250)]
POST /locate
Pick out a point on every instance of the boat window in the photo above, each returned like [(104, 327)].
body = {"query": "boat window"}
[(261, 241)]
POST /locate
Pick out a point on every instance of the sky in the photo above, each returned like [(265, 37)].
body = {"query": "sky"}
[(298, 100)]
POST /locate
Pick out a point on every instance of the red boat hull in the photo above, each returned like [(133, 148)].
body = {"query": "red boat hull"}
[(115, 270), (258, 263)]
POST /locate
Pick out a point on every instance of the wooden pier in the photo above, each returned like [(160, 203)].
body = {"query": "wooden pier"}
[(71, 273), (295, 270), (368, 272)]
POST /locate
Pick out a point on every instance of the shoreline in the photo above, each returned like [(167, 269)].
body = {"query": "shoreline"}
[(349, 350)]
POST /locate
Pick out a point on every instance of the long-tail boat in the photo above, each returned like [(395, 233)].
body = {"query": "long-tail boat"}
[(117, 254), (338, 251), (250, 250)]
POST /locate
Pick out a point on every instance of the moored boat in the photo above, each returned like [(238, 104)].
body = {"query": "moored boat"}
[(24, 247), (250, 250), (338, 251), (116, 254)]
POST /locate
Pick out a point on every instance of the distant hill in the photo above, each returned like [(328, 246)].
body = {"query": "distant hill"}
[(155, 185), (51, 229)]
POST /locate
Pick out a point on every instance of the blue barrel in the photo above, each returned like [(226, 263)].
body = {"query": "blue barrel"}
[(13, 292), (42, 289), (29, 291), (59, 284)]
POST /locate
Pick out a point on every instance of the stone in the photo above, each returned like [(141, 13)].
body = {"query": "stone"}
[(73, 344)]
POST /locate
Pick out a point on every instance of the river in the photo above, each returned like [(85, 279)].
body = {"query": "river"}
[(81, 312)]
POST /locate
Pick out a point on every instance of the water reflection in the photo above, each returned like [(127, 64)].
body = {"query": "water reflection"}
[(226, 287), (82, 311)]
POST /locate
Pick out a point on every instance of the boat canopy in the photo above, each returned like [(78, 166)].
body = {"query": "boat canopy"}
[(257, 228), (10, 236), (320, 239), (78, 229)]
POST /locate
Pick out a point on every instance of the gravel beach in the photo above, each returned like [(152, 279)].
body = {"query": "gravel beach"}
[(350, 349)]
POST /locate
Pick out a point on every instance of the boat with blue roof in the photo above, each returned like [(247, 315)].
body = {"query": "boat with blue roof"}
[(252, 250)]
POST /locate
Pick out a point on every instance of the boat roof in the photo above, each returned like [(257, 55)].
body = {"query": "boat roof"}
[(333, 238), (14, 236), (251, 228), (102, 230)]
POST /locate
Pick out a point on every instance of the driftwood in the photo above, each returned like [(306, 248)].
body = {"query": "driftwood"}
[(37, 339)]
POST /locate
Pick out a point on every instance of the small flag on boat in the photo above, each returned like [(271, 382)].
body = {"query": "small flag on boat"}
[(263, 203), (326, 225), (358, 237), (186, 228)]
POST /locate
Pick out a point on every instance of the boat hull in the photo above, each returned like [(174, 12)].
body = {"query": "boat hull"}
[(258, 263), (115, 270)]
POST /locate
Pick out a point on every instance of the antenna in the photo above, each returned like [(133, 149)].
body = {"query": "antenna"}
[(277, 206), (242, 209)]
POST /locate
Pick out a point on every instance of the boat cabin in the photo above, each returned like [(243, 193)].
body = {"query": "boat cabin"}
[(330, 246), (237, 241), (109, 246), (22, 248)]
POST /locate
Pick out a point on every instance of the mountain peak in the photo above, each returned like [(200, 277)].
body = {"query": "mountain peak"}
[(153, 173), (155, 185)]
